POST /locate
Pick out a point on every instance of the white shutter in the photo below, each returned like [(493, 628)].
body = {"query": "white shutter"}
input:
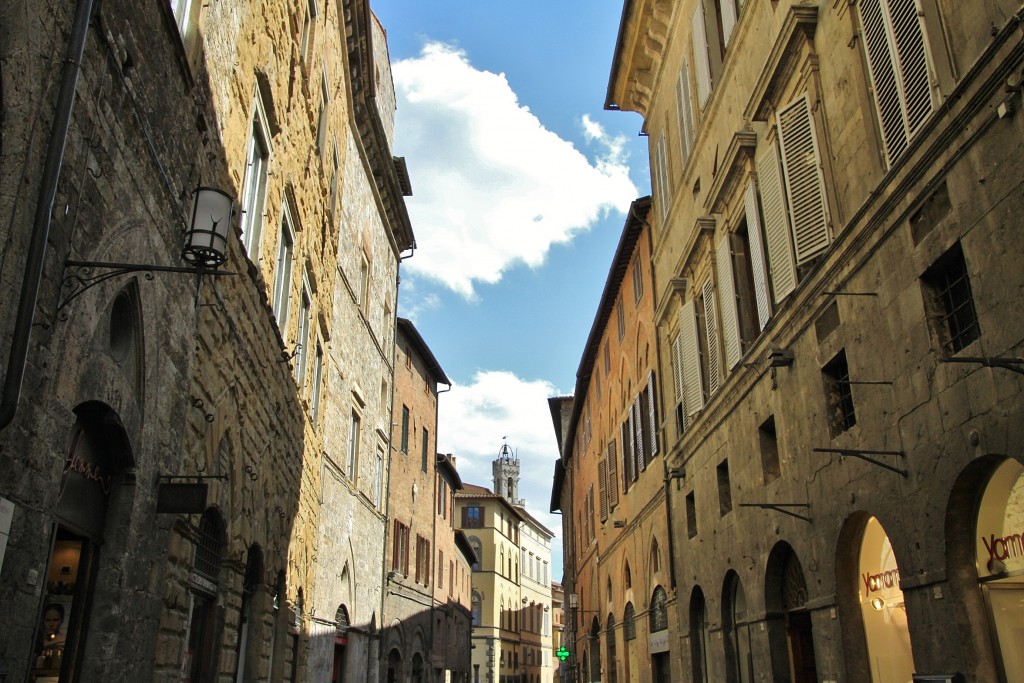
[(613, 475), (912, 61), (805, 185), (711, 328), (661, 177), (683, 101), (701, 61), (632, 445), (689, 351), (764, 309), (677, 367), (728, 19), (652, 405), (639, 460), (776, 225), (602, 484), (883, 78), (727, 298)]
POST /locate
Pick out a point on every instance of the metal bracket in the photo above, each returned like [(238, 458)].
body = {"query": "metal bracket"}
[(780, 507), (1011, 364), (79, 276), (863, 454), (188, 477)]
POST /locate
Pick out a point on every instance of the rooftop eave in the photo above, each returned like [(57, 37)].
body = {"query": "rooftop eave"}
[(639, 48)]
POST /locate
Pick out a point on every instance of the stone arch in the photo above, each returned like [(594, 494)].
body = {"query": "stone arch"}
[(789, 623), (698, 629), (969, 604), (736, 617)]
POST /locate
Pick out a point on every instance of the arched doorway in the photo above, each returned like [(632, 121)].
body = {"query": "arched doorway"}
[(999, 553), (248, 634), (632, 663), (98, 453), (657, 636), (882, 609), (341, 624), (394, 672), (699, 636), (612, 672), (739, 660), (789, 623), (595, 650)]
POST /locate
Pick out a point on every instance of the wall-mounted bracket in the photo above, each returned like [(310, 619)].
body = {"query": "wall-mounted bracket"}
[(1011, 364), (864, 455), (781, 507)]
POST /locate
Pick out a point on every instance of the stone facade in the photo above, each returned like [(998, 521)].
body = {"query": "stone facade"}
[(246, 383), (612, 486), (835, 188)]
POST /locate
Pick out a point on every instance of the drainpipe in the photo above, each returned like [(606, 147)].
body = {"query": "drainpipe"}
[(41, 225)]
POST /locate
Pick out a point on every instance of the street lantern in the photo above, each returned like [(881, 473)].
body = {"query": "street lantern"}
[(206, 242)]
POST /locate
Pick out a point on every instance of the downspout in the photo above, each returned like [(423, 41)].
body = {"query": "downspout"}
[(36, 256)]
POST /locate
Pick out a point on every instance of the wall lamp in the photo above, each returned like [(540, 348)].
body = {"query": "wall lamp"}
[(206, 248)]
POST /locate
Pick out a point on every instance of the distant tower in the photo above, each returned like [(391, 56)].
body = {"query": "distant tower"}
[(506, 475)]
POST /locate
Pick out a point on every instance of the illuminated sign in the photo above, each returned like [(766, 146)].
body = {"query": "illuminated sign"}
[(562, 653)]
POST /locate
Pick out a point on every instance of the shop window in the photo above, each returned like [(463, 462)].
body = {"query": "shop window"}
[(769, 444), (883, 610), (949, 302), (839, 394)]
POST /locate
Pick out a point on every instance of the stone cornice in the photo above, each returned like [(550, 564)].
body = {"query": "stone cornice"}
[(739, 153), (783, 61), (639, 49)]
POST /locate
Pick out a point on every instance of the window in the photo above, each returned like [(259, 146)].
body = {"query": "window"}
[(318, 371), (613, 475), (602, 479), (607, 360), (302, 357), (440, 567), (335, 171), (422, 560), (353, 445), (621, 320), (658, 614), (740, 303), (684, 103), (691, 515), (897, 61), (724, 488), (838, 394), (949, 303), (378, 478), (400, 552), (203, 611), (638, 280), (307, 36), (476, 617), (182, 10), (472, 517), (769, 443), (478, 550), (321, 120), (708, 339), (283, 274), (405, 429), (442, 498), (364, 282), (663, 195), (254, 185), (383, 405), (628, 441), (426, 449)]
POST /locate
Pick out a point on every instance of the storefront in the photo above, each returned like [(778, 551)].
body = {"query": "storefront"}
[(1000, 564), (882, 608)]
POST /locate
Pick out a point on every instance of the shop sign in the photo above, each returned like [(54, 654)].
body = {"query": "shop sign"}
[(74, 462), (1002, 549), (6, 514), (658, 642), (882, 580)]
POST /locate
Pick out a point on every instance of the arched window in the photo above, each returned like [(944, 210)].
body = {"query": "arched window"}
[(627, 578), (658, 614), (629, 622), (655, 556), (478, 549), (476, 608)]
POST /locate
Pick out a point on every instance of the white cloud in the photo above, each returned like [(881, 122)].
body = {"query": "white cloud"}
[(492, 186), (472, 421)]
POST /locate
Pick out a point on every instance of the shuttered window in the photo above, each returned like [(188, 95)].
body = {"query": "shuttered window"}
[(781, 267), (636, 442), (685, 105), (760, 274), (727, 300), (641, 432), (613, 475), (602, 482), (897, 61), (677, 383), (627, 453), (652, 414), (728, 13), (701, 61), (661, 177), (805, 185), (711, 332), (693, 393)]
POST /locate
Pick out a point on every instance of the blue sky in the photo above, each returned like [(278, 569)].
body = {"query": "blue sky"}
[(520, 184)]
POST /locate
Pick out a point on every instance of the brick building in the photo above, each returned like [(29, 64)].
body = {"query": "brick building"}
[(835, 189), (610, 481)]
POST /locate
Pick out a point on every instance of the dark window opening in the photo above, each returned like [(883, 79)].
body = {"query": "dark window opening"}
[(950, 307), (838, 394)]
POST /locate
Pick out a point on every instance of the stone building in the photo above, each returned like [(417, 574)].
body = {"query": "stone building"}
[(835, 189), (259, 388), (611, 486), (427, 589)]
